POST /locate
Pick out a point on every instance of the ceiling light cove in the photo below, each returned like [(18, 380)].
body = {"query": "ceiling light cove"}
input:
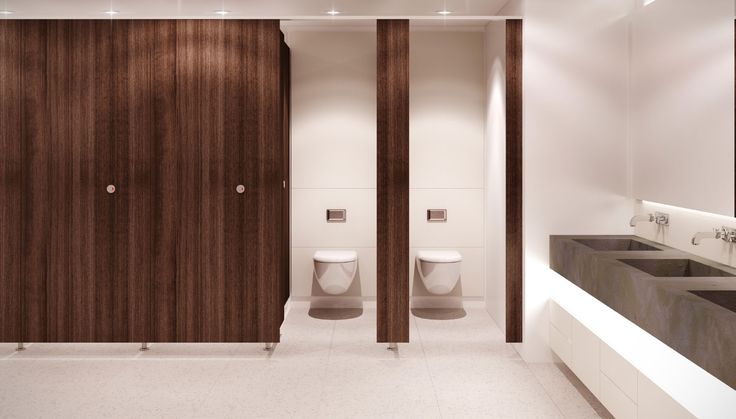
[(111, 12), (444, 12), (222, 12), (333, 12)]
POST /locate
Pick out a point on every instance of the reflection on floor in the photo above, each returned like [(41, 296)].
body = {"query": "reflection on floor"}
[(323, 368)]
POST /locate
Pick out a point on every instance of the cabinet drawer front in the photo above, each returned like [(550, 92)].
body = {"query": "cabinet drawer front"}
[(619, 371), (561, 319), (620, 406), (560, 344)]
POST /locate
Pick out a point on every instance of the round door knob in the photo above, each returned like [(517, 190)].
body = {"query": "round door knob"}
[(240, 189), (110, 189)]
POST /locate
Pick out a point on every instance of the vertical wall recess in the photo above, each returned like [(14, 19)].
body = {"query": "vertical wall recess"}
[(393, 181), (514, 208)]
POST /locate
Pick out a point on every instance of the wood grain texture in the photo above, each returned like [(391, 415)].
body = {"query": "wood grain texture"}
[(79, 300), (10, 181), (393, 181), (175, 114), (514, 214), (166, 211), (36, 181)]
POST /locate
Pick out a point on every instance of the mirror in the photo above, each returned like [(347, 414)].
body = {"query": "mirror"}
[(682, 104)]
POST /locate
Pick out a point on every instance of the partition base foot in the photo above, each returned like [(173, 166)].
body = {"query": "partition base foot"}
[(268, 346), (144, 346), (393, 346), (21, 347)]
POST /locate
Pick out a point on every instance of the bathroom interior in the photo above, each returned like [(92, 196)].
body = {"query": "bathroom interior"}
[(416, 208)]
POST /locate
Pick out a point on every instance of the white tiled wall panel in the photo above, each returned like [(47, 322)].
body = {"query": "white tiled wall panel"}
[(333, 109), (308, 217), (464, 226), (447, 106)]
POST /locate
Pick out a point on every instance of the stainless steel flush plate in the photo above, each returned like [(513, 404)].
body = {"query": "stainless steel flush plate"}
[(437, 215), (337, 215)]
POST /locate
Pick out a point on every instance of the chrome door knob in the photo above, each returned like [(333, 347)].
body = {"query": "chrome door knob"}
[(240, 189), (110, 189)]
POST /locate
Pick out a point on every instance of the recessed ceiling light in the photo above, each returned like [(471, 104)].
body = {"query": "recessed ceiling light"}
[(333, 12), (6, 12), (111, 12), (444, 12), (222, 12)]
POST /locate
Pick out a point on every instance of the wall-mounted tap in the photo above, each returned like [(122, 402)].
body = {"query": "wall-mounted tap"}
[(658, 218), (726, 234)]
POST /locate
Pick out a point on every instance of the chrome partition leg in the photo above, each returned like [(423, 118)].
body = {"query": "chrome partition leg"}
[(393, 346), (268, 346), (21, 347), (144, 346)]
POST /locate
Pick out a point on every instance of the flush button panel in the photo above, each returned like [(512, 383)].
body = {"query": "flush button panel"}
[(437, 215), (336, 215)]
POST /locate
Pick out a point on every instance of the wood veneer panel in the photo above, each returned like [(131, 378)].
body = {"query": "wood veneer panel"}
[(80, 306), (10, 181), (131, 170), (514, 230), (393, 181), (263, 165), (234, 162), (166, 186), (36, 182), (189, 150)]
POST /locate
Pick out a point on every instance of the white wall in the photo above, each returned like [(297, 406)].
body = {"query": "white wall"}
[(682, 102), (575, 138), (683, 224), (512, 8), (333, 150), (446, 149), (495, 154)]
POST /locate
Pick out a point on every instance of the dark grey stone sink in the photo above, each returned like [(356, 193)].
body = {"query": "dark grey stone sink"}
[(675, 268), (725, 299), (616, 245)]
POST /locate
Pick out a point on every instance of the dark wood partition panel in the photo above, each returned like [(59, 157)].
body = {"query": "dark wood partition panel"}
[(175, 115), (10, 181), (286, 164), (393, 181), (514, 214)]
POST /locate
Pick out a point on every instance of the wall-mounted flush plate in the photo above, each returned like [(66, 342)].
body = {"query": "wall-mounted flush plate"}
[(337, 215), (437, 215)]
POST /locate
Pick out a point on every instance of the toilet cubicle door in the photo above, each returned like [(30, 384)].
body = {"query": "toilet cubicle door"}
[(85, 196), (220, 191)]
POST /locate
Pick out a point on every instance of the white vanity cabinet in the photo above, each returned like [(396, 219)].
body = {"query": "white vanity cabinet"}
[(621, 388)]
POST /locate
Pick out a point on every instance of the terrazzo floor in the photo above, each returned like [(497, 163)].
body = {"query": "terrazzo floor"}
[(322, 368)]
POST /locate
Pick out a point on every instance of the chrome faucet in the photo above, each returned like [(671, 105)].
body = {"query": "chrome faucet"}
[(658, 218), (726, 234)]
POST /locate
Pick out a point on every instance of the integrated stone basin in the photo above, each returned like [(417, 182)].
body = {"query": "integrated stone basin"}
[(675, 268), (686, 301), (617, 245), (725, 298)]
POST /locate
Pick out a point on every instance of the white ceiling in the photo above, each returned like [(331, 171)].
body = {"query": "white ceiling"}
[(137, 9)]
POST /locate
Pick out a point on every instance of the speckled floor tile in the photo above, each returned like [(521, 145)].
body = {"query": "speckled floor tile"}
[(322, 368)]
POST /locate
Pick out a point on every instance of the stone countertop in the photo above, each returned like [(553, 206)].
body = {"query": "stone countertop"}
[(700, 330)]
